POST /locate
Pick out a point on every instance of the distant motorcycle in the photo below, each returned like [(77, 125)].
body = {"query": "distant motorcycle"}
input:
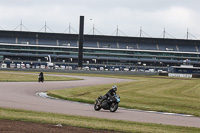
[(109, 104), (40, 78)]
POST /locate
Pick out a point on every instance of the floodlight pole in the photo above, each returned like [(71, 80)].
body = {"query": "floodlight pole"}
[(45, 27), (80, 38), (69, 28), (164, 33), (140, 31), (21, 26), (117, 31), (187, 34), (93, 29)]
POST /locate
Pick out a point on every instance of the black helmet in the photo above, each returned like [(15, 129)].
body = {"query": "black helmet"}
[(114, 87)]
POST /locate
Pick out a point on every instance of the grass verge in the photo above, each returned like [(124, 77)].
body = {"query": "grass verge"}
[(173, 95), (90, 122), (21, 77)]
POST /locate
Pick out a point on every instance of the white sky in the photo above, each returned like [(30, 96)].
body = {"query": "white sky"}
[(176, 16)]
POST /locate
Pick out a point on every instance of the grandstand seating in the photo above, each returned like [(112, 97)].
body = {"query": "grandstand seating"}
[(116, 49), (27, 40), (128, 46), (147, 46), (90, 44), (147, 60), (92, 57), (167, 47), (167, 60), (198, 48), (187, 48), (128, 59), (104, 44), (107, 44), (69, 43), (7, 40), (107, 58), (46, 41)]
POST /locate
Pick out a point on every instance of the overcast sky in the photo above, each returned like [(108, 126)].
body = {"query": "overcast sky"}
[(152, 16)]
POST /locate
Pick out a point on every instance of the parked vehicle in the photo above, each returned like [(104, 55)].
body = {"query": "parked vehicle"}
[(28, 66), (18, 65), (3, 65), (62, 67), (23, 66), (109, 104), (12, 65), (42, 66)]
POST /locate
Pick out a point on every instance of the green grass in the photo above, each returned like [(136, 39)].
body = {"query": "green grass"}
[(91, 122), (174, 95), (20, 77)]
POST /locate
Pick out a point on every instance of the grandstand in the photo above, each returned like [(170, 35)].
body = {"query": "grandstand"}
[(99, 51)]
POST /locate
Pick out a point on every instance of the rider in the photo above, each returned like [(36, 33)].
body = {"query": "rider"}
[(41, 76), (110, 93)]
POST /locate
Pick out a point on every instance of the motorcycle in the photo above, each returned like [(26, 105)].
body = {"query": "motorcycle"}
[(40, 78), (111, 103)]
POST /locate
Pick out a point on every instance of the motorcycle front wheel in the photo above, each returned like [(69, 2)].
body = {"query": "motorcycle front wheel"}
[(113, 107), (97, 107)]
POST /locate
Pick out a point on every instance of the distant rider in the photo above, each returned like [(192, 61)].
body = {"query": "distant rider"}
[(41, 77), (110, 93)]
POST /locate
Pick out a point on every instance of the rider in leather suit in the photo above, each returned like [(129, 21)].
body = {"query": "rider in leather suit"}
[(110, 93)]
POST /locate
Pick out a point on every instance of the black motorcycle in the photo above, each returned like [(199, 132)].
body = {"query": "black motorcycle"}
[(40, 78), (109, 104)]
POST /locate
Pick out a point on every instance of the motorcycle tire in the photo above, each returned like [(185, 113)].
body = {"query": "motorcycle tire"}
[(97, 107), (113, 107)]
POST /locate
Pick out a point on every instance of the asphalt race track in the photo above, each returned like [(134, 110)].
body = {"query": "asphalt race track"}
[(22, 95)]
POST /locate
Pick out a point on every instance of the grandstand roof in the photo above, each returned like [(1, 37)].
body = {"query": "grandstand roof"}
[(45, 35)]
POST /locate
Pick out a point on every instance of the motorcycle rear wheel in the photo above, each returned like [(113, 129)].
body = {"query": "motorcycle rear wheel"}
[(113, 107)]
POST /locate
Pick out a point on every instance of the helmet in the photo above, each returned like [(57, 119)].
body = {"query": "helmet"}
[(114, 87)]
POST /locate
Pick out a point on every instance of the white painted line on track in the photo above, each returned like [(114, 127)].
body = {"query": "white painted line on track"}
[(44, 95)]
